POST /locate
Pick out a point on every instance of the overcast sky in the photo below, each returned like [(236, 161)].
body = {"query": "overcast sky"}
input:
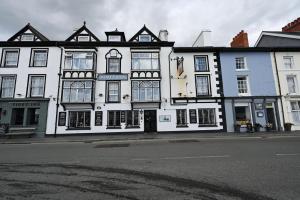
[(184, 19)]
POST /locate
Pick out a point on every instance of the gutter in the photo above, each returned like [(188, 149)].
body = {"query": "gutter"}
[(169, 57), (57, 97)]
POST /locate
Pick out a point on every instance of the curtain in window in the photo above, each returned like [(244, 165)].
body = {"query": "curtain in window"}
[(145, 61), (291, 84), (295, 111), (207, 116), (201, 64), (202, 85), (8, 85), (114, 118), (145, 91), (113, 92), (77, 91), (37, 86), (181, 117), (79, 61), (40, 59), (113, 65), (11, 58)]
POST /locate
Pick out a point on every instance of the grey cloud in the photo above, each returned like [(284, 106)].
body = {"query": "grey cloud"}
[(183, 19)]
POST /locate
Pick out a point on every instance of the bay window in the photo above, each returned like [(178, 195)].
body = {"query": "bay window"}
[(8, 86), (36, 86), (207, 117), (145, 91), (79, 60), (145, 61), (77, 91), (79, 119), (202, 85)]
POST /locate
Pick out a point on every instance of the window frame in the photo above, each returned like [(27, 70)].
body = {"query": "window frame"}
[(109, 39), (139, 82), (295, 83), (151, 52), (207, 125), (27, 34), (77, 127), (3, 57), (148, 35), (1, 84), (180, 114), (73, 81), (29, 85), (208, 84), (292, 62), (107, 92), (114, 126), (295, 111), (244, 61), (32, 56), (247, 84), (207, 63), (132, 113), (193, 120), (71, 54)]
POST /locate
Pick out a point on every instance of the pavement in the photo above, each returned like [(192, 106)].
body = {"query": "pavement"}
[(146, 137)]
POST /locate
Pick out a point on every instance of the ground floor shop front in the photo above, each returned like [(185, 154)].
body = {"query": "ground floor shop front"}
[(255, 113), (27, 114)]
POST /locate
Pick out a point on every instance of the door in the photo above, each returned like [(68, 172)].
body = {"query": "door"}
[(150, 121), (17, 116), (271, 118)]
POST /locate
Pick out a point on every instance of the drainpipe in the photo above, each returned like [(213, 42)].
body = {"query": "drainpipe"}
[(279, 86), (169, 56), (57, 97)]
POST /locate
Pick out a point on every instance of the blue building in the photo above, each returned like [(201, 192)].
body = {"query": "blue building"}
[(249, 89)]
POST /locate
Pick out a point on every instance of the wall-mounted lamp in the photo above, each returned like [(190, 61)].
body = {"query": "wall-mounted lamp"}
[(98, 107), (100, 95), (125, 96)]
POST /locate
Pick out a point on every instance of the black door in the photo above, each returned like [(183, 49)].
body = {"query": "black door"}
[(150, 121), (271, 118), (17, 116)]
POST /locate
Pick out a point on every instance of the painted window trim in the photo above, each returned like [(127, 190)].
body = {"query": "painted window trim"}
[(3, 56), (207, 63), (32, 54), (107, 92), (245, 64), (8, 75), (159, 66), (209, 85), (29, 83), (248, 86)]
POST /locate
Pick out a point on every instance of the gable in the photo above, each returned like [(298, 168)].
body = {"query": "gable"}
[(28, 33), (83, 35), (144, 35)]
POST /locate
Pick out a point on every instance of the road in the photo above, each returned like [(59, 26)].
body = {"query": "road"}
[(210, 170)]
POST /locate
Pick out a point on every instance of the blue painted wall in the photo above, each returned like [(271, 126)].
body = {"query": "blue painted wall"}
[(259, 71)]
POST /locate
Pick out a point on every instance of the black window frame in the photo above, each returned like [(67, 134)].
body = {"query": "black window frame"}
[(193, 119), (207, 125), (184, 120), (79, 127), (29, 85), (115, 116), (208, 85), (32, 56), (70, 88), (107, 92), (7, 75), (132, 113), (207, 63), (3, 57)]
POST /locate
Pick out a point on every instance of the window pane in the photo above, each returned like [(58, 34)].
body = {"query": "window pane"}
[(201, 63), (145, 61), (8, 85), (240, 63), (291, 84), (37, 86), (11, 58), (242, 85), (113, 91), (113, 65), (202, 85), (40, 58)]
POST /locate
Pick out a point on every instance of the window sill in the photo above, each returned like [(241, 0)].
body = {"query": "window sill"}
[(131, 127), (113, 127), (82, 128), (182, 126), (37, 66), (213, 125), (9, 66)]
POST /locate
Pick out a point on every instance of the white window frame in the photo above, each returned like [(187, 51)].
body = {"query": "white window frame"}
[(145, 91), (114, 38), (145, 35), (24, 39), (74, 90), (295, 112), (244, 62), (70, 55), (83, 38), (285, 63), (109, 94), (295, 84), (247, 85)]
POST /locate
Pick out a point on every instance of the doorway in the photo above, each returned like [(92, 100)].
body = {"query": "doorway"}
[(271, 119), (17, 116), (150, 121)]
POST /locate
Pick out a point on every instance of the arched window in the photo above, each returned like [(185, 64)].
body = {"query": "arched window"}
[(113, 61)]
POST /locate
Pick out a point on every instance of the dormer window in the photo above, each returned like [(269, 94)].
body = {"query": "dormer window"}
[(144, 38), (27, 37), (114, 38), (83, 38)]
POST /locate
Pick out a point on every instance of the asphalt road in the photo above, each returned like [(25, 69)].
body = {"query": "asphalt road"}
[(209, 170)]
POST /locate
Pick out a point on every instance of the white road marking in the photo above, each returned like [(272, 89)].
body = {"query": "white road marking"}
[(287, 154), (181, 158)]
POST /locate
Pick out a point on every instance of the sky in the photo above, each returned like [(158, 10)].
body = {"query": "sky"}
[(184, 19)]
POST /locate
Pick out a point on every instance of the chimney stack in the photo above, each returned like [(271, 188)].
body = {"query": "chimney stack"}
[(292, 27), (204, 39), (240, 40), (163, 35)]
